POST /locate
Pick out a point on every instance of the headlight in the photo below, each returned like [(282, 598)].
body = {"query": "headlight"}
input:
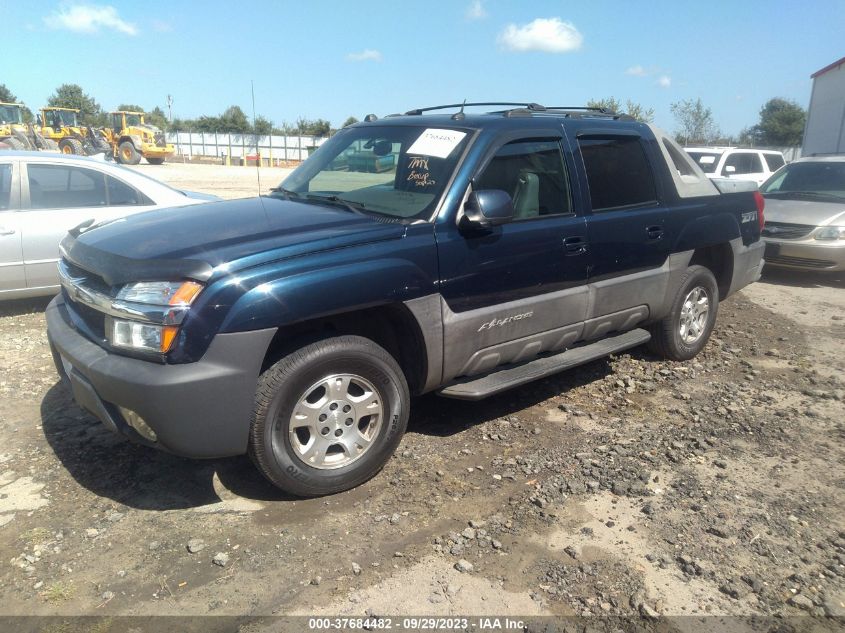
[(154, 311), (830, 233), (161, 293), (142, 336)]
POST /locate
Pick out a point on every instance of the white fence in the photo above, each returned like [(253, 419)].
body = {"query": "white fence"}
[(271, 148)]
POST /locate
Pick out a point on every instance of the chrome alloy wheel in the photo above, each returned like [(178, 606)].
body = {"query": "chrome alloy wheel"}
[(694, 314), (336, 421)]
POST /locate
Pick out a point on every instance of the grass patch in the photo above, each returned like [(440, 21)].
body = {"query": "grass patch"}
[(58, 592), (36, 536)]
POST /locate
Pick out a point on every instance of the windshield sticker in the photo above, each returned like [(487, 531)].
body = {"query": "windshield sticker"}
[(418, 172), (436, 142), (707, 160)]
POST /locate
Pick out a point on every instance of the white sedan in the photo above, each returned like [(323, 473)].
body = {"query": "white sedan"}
[(43, 195)]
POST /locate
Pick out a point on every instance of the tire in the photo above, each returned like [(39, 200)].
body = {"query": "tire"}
[(685, 331), (71, 146), (293, 402), (127, 154), (155, 161)]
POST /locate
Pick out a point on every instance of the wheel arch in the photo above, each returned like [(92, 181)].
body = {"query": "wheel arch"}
[(719, 259), (392, 326)]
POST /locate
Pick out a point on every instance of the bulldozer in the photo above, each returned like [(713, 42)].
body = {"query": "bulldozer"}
[(131, 138), (61, 125), (17, 134)]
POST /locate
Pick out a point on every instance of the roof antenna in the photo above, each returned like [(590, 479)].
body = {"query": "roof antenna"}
[(460, 116), (255, 138)]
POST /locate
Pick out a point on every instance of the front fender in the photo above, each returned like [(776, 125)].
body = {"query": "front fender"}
[(326, 292)]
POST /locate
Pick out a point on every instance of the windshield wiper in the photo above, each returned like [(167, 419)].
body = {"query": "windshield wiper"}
[(806, 194), (354, 207)]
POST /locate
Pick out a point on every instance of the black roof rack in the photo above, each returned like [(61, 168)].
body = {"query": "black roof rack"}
[(520, 109), (529, 106)]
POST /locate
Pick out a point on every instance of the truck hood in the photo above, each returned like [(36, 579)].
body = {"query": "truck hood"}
[(810, 212), (191, 241)]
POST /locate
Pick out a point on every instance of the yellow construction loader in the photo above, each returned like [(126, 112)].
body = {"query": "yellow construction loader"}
[(131, 138), (62, 126), (17, 134)]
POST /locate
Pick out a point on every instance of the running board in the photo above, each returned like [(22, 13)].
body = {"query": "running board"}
[(476, 388)]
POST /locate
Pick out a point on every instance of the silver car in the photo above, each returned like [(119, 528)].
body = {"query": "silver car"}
[(43, 195), (805, 215)]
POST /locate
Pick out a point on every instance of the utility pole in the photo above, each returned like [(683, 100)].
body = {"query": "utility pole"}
[(170, 108)]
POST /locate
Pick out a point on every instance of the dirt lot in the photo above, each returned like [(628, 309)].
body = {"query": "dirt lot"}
[(629, 485)]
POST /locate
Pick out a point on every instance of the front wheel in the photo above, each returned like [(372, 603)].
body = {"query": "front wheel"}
[(328, 416), (71, 146), (127, 154), (685, 331)]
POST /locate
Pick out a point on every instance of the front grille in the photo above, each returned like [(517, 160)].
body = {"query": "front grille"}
[(786, 231), (803, 262), (92, 280), (92, 321)]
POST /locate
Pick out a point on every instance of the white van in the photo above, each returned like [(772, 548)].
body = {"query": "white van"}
[(737, 164)]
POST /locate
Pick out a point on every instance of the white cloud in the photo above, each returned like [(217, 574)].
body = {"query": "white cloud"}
[(664, 81), (476, 10), (636, 71), (550, 35), (89, 18), (366, 55)]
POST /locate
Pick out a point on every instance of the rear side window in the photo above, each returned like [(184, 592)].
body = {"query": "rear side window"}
[(5, 186), (743, 163), (120, 194), (618, 172), (70, 187), (774, 161), (533, 174)]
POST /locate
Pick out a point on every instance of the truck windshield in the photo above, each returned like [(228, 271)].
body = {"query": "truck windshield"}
[(706, 160), (10, 114), (68, 118), (133, 119), (398, 171)]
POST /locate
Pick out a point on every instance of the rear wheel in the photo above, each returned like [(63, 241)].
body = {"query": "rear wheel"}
[(155, 161), (71, 146), (328, 416), (127, 154), (685, 331)]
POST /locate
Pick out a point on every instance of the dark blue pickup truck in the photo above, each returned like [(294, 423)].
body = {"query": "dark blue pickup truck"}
[(438, 251)]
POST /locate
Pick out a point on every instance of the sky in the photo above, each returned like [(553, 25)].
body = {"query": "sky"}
[(333, 59)]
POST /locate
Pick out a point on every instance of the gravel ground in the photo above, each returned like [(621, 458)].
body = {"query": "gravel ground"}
[(629, 485)]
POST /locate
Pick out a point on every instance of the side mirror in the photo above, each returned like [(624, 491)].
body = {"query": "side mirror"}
[(730, 169), (487, 208), (382, 148)]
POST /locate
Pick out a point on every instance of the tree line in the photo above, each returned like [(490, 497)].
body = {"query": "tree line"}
[(233, 120), (781, 122)]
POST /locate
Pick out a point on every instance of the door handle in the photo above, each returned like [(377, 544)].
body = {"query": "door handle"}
[(654, 232), (5, 231), (575, 245)]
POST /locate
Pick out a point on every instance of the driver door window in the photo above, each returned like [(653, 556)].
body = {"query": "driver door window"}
[(532, 172)]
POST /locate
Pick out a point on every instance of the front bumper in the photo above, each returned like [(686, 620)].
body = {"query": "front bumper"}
[(156, 151), (808, 254), (197, 409)]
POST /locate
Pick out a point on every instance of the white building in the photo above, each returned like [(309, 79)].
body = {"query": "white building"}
[(825, 129)]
